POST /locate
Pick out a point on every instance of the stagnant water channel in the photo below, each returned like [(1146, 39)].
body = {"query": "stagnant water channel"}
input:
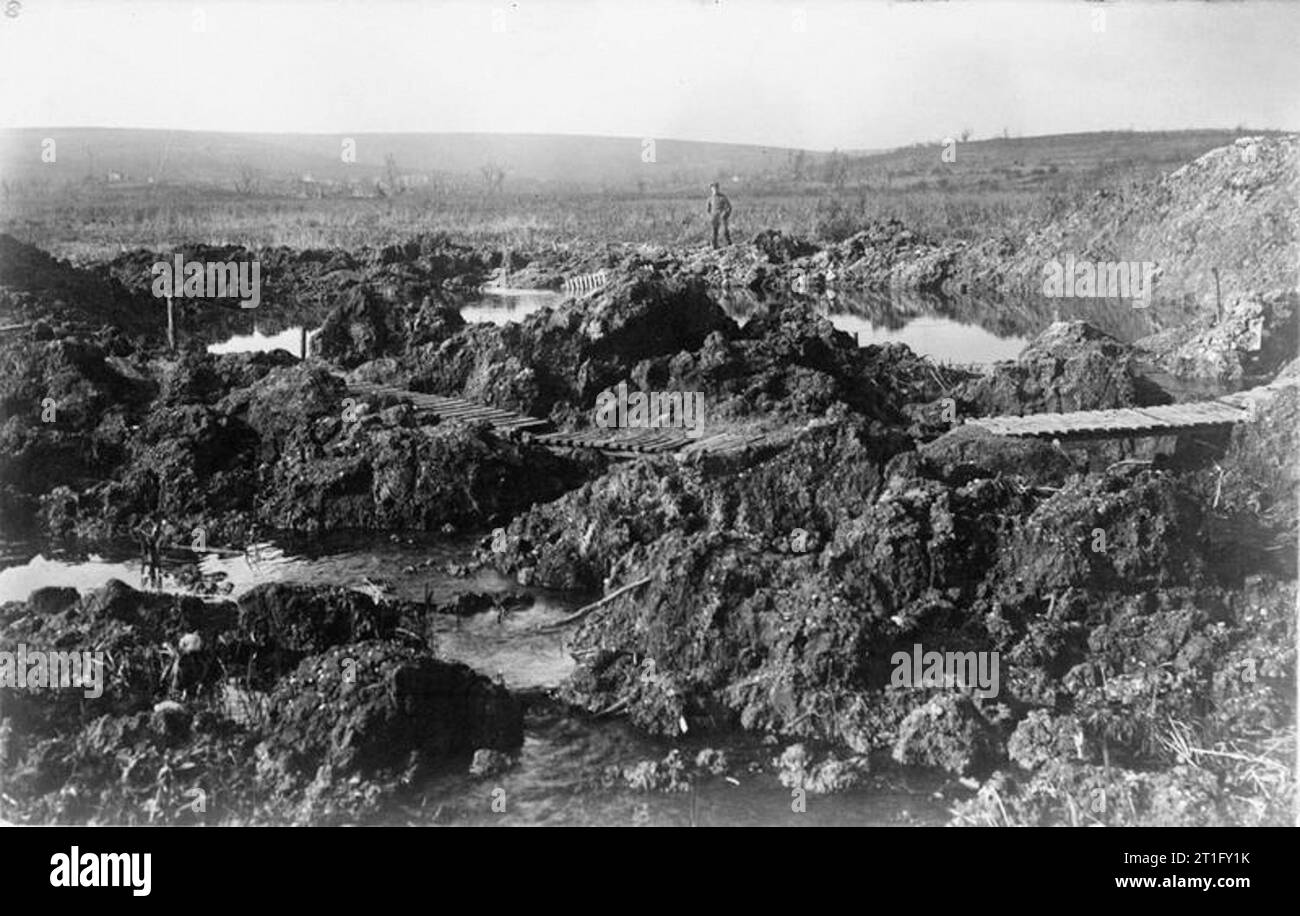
[(562, 775)]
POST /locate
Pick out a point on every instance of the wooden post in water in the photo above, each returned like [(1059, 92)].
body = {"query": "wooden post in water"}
[(303, 352), (171, 325), (1218, 299)]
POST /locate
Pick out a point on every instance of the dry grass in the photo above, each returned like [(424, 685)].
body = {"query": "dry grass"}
[(92, 222), (1261, 768)]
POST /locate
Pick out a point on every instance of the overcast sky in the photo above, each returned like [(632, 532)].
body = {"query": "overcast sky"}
[(814, 74)]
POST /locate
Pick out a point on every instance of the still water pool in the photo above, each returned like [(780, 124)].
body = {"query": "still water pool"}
[(947, 329)]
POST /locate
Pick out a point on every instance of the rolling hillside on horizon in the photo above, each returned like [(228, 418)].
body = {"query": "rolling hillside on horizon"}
[(556, 162), (553, 159)]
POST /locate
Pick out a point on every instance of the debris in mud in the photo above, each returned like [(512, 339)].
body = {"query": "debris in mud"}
[(467, 604), (672, 774), (1071, 366), (371, 707), (1254, 338), (798, 770), (296, 688), (712, 761), (488, 762), (950, 732)]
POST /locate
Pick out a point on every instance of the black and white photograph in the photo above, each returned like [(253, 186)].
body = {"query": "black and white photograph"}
[(689, 413)]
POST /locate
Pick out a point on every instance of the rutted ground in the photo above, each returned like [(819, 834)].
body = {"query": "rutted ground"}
[(1142, 610)]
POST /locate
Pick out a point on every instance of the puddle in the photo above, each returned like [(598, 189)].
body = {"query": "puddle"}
[(505, 306), (941, 339), (289, 340), (944, 328), (562, 778), (407, 569)]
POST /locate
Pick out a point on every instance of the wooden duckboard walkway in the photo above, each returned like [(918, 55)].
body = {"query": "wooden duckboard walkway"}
[(1163, 420), (453, 408), (1127, 422), (632, 443), (617, 443)]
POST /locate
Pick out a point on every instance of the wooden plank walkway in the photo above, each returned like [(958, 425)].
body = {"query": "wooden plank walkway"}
[(631, 443), (617, 443), (1162, 420), (1126, 422), (586, 283), (453, 408)]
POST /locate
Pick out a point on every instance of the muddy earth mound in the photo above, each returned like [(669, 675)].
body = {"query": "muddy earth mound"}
[(562, 356), (1233, 210), (1254, 338), (296, 278), (300, 288), (1123, 607), (883, 254), (789, 364), (234, 444), (58, 299), (295, 704), (1070, 366), (66, 405)]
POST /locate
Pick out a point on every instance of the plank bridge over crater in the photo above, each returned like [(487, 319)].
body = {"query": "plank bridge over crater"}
[(1129, 422), (617, 443)]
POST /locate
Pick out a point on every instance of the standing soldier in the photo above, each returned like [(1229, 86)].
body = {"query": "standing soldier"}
[(150, 534), (719, 212)]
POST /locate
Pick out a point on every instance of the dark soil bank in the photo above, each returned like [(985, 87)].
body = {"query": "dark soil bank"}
[(1136, 602)]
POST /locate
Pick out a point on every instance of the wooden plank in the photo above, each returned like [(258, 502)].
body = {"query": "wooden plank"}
[(653, 439), (460, 410), (1154, 420), (1127, 420), (521, 423), (1149, 420), (665, 442)]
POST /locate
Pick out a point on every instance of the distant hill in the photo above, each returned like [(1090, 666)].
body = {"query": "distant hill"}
[(1071, 153), (555, 162), (527, 159)]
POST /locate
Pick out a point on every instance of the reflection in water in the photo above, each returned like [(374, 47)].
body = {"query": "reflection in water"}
[(564, 778), (503, 306), (289, 340), (960, 329), (941, 339), (964, 329), (407, 570), (17, 582), (922, 322)]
